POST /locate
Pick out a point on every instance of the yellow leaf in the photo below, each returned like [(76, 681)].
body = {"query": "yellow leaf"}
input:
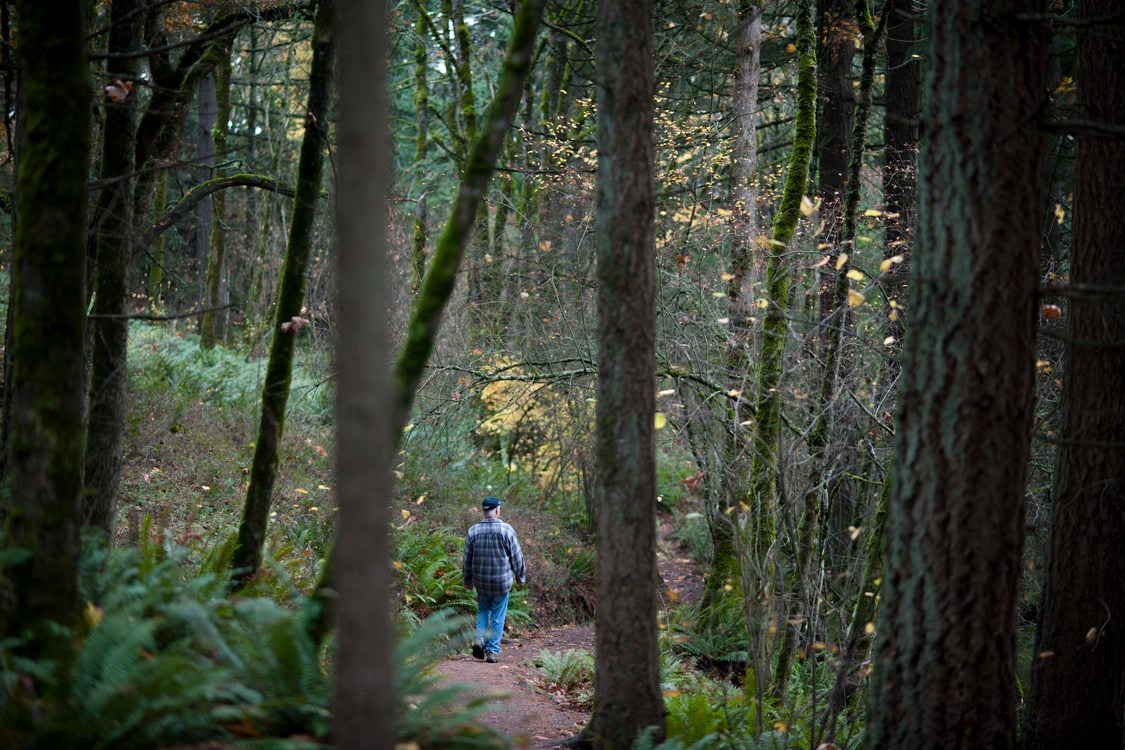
[(888, 341), (885, 266), (728, 277), (398, 564), (744, 507), (807, 205), (822, 262), (661, 420), (666, 392), (855, 274), (733, 393), (791, 48), (718, 295), (408, 427), (323, 487), (763, 303), (421, 499), (93, 615), (855, 299), (1060, 213), (841, 259), (892, 315), (405, 513), (872, 212), (301, 491), (869, 628)]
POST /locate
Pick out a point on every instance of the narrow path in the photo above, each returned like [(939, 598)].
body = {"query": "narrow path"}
[(530, 716)]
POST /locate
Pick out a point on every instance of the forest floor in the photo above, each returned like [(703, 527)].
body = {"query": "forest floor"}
[(522, 707)]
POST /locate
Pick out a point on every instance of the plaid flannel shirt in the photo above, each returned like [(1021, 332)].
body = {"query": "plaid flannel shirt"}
[(492, 558)]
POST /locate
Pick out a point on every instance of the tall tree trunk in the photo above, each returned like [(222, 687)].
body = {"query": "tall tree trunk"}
[(900, 155), (627, 697), (740, 292), (365, 698), (212, 327), (1078, 678), (105, 428), (836, 47), (945, 671), (290, 299), (46, 431), (421, 146), (763, 500), (207, 109)]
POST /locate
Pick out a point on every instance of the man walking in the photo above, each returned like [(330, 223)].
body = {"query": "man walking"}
[(493, 559)]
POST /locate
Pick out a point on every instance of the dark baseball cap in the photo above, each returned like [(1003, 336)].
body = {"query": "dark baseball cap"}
[(490, 503)]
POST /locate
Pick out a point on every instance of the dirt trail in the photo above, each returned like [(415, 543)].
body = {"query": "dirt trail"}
[(522, 710)]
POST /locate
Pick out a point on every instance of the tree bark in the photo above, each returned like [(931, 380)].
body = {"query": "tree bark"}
[(365, 698), (945, 668), (105, 428), (627, 697), (1078, 677), (213, 323), (46, 430), (291, 298)]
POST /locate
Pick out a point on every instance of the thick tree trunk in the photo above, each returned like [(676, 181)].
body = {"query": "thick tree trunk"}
[(365, 698), (945, 670), (105, 428), (1078, 678), (290, 299), (46, 431), (627, 698)]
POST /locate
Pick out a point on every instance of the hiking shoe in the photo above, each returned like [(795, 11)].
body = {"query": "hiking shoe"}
[(492, 658), (478, 648)]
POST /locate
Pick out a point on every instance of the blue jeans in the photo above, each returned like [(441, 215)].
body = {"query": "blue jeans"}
[(491, 611)]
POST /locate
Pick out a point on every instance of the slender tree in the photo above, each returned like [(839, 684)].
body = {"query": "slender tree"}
[(105, 428), (945, 667), (627, 697), (1078, 677), (758, 564), (291, 298)]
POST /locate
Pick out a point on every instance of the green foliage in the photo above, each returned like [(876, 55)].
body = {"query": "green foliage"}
[(570, 672), (163, 359), (164, 656), (693, 535)]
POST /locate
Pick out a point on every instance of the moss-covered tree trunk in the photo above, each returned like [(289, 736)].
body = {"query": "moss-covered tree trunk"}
[(1078, 677), (105, 428), (421, 147), (365, 697), (441, 275), (627, 696), (212, 327), (833, 490), (49, 321), (290, 299), (945, 665), (758, 563)]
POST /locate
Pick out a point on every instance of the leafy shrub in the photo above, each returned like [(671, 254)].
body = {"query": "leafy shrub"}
[(570, 672)]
